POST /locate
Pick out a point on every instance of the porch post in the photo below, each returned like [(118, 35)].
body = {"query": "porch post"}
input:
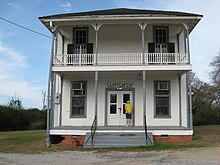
[(187, 41), (50, 82), (96, 27), (144, 97), (180, 102), (142, 26), (96, 95), (189, 77), (61, 100), (190, 102)]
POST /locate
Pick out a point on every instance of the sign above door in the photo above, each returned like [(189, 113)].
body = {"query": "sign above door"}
[(119, 85)]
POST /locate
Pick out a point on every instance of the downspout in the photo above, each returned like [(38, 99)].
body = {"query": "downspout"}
[(49, 89)]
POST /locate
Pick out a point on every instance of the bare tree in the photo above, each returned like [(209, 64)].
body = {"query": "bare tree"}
[(15, 103), (215, 74), (44, 100)]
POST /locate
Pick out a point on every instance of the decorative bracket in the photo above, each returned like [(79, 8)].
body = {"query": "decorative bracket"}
[(96, 26), (142, 25)]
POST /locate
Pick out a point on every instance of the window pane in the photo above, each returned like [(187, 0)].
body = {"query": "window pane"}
[(78, 106), (162, 106), (161, 35), (126, 97), (77, 85), (81, 36), (113, 98), (113, 109), (162, 111)]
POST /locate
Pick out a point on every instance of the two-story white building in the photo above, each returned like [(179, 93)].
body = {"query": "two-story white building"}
[(101, 59)]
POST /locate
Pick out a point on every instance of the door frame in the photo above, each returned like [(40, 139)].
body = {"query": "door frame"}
[(106, 102)]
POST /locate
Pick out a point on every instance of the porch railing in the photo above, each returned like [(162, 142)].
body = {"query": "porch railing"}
[(93, 130), (145, 130), (121, 59)]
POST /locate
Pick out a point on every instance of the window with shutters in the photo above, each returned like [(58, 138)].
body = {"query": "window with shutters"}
[(161, 39), (78, 99), (162, 98), (161, 42), (80, 40)]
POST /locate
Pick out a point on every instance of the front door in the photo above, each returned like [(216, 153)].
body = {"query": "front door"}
[(116, 107)]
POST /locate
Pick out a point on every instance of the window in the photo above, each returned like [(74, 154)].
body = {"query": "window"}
[(80, 40), (78, 99), (161, 34), (162, 98), (161, 42), (81, 36)]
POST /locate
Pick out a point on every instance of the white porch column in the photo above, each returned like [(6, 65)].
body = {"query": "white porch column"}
[(187, 41), (96, 95), (144, 96), (61, 100), (189, 77), (50, 89), (96, 27), (180, 102), (143, 26)]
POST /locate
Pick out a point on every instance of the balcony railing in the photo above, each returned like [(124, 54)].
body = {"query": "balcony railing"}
[(121, 59)]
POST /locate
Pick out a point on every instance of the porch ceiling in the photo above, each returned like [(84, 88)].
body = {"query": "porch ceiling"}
[(178, 68)]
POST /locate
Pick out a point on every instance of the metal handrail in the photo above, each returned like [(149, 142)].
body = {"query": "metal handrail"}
[(145, 129), (93, 130)]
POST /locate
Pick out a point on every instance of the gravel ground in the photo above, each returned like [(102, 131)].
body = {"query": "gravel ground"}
[(196, 156)]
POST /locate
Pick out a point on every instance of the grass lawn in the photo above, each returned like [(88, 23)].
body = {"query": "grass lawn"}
[(25, 142), (34, 142)]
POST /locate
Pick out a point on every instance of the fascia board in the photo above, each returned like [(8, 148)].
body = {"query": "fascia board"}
[(118, 18)]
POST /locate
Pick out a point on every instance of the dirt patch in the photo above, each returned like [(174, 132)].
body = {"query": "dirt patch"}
[(207, 155)]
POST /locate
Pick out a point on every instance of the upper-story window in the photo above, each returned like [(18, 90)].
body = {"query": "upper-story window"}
[(80, 43), (161, 34), (81, 35), (161, 42)]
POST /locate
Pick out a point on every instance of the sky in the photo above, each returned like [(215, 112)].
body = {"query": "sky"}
[(24, 56)]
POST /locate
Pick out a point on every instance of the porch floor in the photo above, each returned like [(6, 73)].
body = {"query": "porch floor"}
[(149, 128)]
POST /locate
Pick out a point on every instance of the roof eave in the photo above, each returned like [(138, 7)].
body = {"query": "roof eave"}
[(121, 17)]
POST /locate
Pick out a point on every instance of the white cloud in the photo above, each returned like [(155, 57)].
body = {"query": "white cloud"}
[(66, 6), (14, 5), (204, 40), (12, 65)]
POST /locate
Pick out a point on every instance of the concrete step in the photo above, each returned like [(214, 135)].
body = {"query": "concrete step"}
[(115, 139)]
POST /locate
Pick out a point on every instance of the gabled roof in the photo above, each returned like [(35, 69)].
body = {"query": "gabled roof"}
[(121, 11)]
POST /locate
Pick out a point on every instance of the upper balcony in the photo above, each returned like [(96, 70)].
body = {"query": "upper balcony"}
[(120, 59), (121, 39)]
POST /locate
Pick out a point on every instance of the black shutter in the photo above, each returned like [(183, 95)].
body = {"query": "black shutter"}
[(151, 47), (90, 48), (171, 48), (70, 49)]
